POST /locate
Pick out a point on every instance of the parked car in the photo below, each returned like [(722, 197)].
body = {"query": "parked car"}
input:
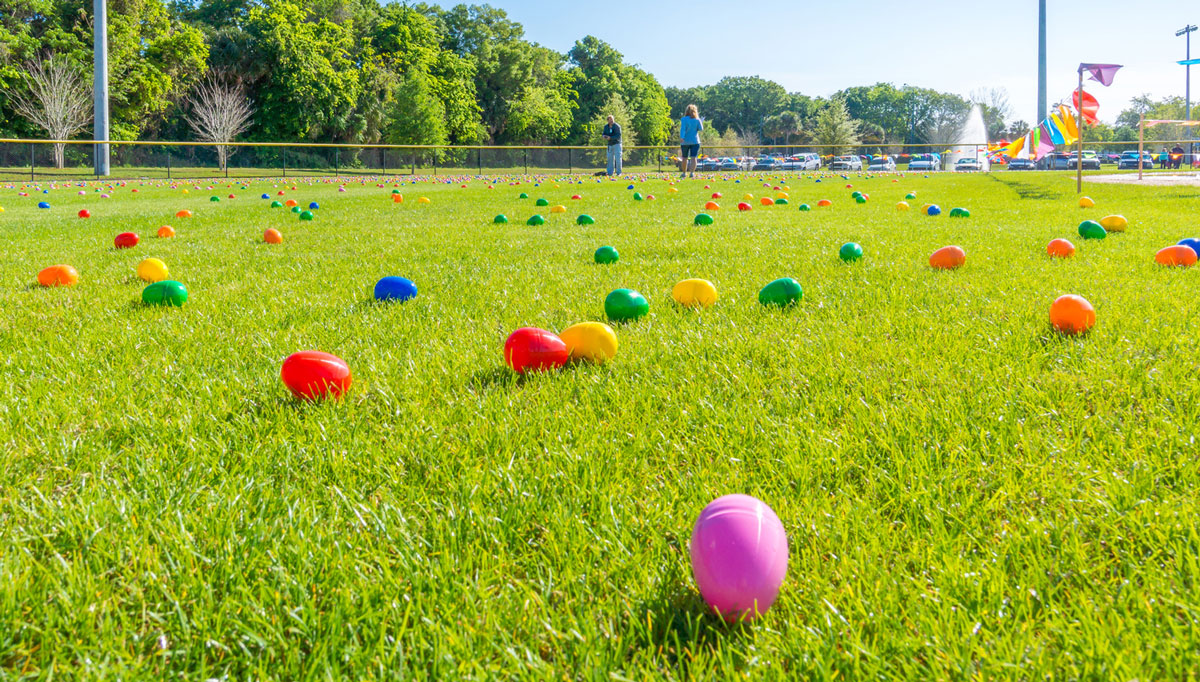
[(708, 164), (767, 163), (1054, 162), (1020, 164), (1129, 161), (846, 163), (968, 164), (802, 162), (925, 162), (730, 164), (1109, 157), (882, 163), (1090, 160)]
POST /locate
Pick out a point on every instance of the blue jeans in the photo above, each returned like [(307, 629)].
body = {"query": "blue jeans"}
[(614, 158)]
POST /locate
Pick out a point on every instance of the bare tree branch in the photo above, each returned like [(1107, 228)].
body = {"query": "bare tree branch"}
[(219, 112), (59, 100)]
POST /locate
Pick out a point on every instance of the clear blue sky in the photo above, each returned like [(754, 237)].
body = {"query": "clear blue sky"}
[(820, 47)]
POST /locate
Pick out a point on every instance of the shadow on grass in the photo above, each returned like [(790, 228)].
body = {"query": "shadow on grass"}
[(676, 626), (495, 377), (1026, 191)]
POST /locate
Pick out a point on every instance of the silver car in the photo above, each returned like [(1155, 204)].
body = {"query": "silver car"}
[(846, 163), (882, 164)]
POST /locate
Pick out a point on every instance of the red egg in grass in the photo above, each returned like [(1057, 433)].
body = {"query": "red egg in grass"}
[(531, 349), (125, 240), (84, 213), (314, 375)]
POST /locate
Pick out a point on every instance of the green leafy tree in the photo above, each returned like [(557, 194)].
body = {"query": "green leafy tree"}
[(619, 110), (834, 127), (744, 102)]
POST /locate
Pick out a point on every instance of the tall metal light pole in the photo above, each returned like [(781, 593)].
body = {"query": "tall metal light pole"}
[(1041, 62), (1186, 31), (100, 85)]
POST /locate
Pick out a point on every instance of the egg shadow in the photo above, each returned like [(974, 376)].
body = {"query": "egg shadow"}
[(1051, 336), (495, 377), (677, 625)]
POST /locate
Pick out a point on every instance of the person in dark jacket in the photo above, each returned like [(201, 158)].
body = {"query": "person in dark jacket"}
[(612, 135)]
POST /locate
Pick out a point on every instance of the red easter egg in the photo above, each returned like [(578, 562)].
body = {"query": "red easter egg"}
[(313, 375), (84, 213), (125, 240), (743, 206), (530, 348)]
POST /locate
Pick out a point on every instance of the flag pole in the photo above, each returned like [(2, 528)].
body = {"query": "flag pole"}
[(1079, 157), (1141, 130)]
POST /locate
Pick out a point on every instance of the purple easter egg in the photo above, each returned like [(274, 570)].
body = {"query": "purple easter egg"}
[(739, 556)]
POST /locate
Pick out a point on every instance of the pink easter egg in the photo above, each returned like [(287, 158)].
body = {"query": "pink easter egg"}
[(739, 556)]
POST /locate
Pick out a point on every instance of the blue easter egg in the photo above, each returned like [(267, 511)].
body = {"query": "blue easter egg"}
[(42, 204), (934, 210), (313, 205), (266, 196), (1192, 243), (394, 289)]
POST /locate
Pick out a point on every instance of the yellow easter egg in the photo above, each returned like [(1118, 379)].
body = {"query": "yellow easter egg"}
[(747, 196), (902, 206), (1086, 202), (152, 270), (558, 209), (695, 293), (1114, 223), (781, 195), (423, 200), (592, 341), (672, 190)]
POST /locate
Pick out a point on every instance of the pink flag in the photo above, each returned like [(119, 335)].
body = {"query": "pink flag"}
[(1101, 72), (1042, 138)]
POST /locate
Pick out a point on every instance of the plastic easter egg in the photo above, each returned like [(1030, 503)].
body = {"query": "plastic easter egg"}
[(1181, 256), (530, 349), (1192, 243), (591, 341), (805, 207), (781, 202), (850, 252), (625, 305), (166, 232), (312, 205), (183, 214), (314, 375), (933, 209), (536, 220), (767, 201), (84, 213), (125, 240), (1086, 202), (860, 199), (716, 195), (523, 196), (782, 292), (558, 209), (743, 206), (296, 210), (166, 292), (273, 236), (214, 198), (606, 255), (694, 293), (397, 198), (1060, 248), (500, 219), (959, 213), (395, 289), (824, 203), (947, 258), (1114, 223), (739, 554), (712, 206), (542, 202), (637, 196), (585, 219), (910, 196), (152, 270), (276, 204), (58, 276), (1071, 314), (902, 206), (43, 204), (265, 196), (702, 219), (1090, 229)]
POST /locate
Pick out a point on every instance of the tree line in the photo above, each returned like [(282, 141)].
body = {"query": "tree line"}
[(355, 71)]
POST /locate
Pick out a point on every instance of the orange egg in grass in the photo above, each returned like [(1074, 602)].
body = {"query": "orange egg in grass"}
[(824, 202), (1072, 314), (948, 258), (58, 276), (1060, 248), (273, 236), (166, 232), (1172, 256)]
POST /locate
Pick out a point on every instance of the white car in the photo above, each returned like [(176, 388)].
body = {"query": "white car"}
[(882, 164), (968, 165), (802, 162), (846, 163)]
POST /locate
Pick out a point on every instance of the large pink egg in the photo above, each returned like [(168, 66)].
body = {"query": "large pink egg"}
[(739, 556)]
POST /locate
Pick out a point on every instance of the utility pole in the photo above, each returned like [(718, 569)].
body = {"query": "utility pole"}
[(1186, 31), (100, 85), (1041, 62)]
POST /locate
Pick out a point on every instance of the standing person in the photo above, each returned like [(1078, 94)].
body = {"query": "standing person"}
[(1176, 156), (1164, 159), (612, 133), (689, 140)]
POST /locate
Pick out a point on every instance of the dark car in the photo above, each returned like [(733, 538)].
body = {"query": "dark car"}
[(1129, 161), (766, 163), (1020, 164), (1109, 157)]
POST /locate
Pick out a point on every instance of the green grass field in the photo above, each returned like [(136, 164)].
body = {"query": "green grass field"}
[(967, 494)]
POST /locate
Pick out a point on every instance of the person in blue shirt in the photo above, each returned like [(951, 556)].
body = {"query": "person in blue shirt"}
[(612, 135), (689, 140)]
